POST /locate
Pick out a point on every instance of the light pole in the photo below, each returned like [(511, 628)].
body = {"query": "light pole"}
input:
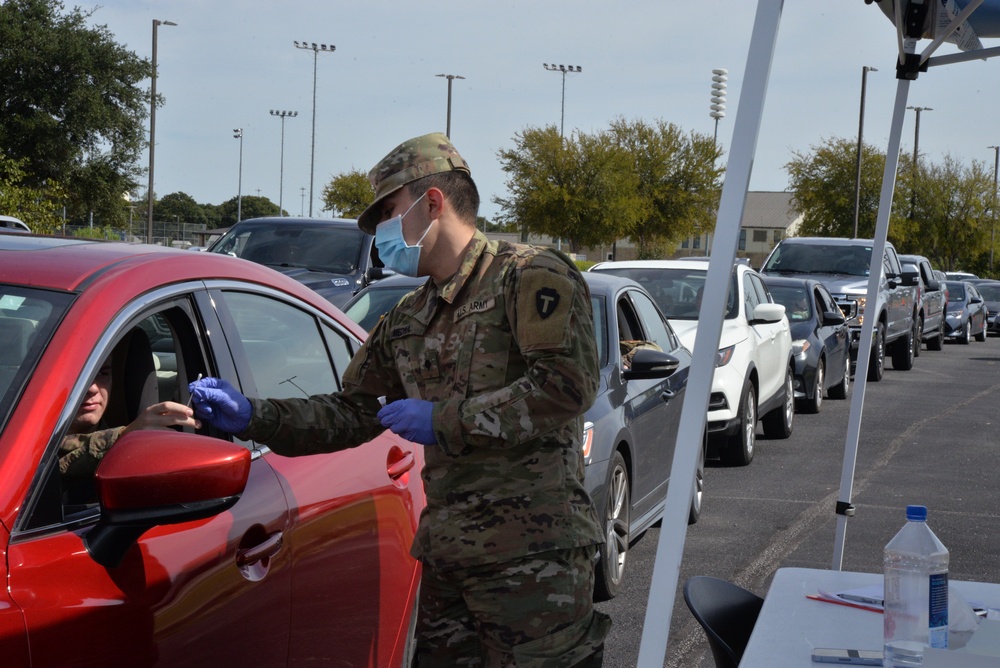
[(993, 228), (152, 132), (861, 130), (315, 48), (281, 178), (718, 106), (564, 69), (916, 157), (450, 78), (238, 134)]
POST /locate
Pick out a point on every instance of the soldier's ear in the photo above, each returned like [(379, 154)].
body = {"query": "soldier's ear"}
[(435, 202)]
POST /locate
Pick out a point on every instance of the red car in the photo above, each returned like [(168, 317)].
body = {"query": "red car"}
[(187, 548)]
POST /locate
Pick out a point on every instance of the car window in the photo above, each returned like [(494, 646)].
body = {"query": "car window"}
[(956, 292), (795, 299), (288, 244), (656, 329), (677, 292), (599, 307), (990, 292), (374, 303), (285, 349), (825, 301), (763, 294), (750, 297)]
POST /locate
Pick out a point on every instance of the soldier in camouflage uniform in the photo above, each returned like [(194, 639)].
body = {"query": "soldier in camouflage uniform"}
[(491, 364)]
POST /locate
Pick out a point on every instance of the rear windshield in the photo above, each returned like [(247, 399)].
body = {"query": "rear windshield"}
[(676, 291), (27, 319), (329, 249), (819, 259)]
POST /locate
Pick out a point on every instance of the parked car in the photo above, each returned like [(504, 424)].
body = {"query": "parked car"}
[(755, 369), (183, 544), (931, 301), (959, 275), (967, 315), (842, 265), (331, 256), (12, 223), (374, 301), (821, 340), (991, 297), (631, 429)]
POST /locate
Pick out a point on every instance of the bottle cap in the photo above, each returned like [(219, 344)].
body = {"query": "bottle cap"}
[(916, 513)]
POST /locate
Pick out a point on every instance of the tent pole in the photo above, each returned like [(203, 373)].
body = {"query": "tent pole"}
[(670, 548)]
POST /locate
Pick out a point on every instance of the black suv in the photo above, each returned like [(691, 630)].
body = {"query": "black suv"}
[(842, 265), (331, 256)]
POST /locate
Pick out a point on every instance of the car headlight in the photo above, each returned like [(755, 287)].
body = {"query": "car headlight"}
[(588, 441), (861, 309), (799, 347), (725, 354), (955, 314)]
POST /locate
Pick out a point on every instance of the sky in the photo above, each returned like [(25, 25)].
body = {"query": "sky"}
[(228, 63)]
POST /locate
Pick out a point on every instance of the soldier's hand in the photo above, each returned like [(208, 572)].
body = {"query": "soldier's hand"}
[(411, 419), (220, 404)]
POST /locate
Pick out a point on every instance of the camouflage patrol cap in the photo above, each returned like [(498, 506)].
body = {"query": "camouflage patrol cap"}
[(411, 160)]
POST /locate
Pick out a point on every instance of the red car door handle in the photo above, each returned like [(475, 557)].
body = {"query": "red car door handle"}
[(397, 468), (265, 550)]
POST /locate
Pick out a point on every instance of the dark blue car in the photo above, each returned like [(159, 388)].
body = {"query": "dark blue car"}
[(820, 340)]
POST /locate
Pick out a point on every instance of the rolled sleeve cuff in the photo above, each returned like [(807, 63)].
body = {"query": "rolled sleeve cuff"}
[(448, 427)]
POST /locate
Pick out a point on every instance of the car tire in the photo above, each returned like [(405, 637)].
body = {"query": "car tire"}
[(902, 352), (918, 336), (937, 343), (778, 423), (981, 336), (698, 493), (617, 518), (876, 365), (841, 389), (966, 334), (739, 450), (814, 404)]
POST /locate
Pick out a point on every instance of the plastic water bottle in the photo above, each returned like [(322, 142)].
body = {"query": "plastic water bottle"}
[(916, 592)]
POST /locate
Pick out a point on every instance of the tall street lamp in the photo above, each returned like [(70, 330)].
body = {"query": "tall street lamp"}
[(564, 69), (316, 49), (861, 130), (238, 134), (718, 106), (916, 157), (450, 77), (152, 133), (993, 228), (281, 178)]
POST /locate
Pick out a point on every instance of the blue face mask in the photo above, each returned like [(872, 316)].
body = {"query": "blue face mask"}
[(393, 250)]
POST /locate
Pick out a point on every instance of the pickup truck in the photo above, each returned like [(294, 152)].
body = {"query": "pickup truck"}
[(842, 265), (931, 301)]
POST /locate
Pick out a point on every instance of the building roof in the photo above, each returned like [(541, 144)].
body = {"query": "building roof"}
[(771, 210)]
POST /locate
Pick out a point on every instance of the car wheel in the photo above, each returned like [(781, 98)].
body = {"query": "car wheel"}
[(617, 517), (981, 336), (813, 405), (902, 352), (918, 336), (876, 366), (966, 334), (739, 451), (698, 493), (778, 423), (937, 343), (841, 389)]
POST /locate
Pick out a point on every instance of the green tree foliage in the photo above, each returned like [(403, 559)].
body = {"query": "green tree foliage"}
[(252, 207), (348, 194), (39, 207), (181, 207), (72, 108), (822, 182), (582, 189), (679, 181)]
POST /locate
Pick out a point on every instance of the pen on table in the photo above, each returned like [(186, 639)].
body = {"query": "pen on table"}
[(191, 397), (862, 599), (859, 606)]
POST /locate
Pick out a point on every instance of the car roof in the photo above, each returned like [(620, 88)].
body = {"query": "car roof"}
[(701, 263), (295, 220), (809, 283), (597, 281)]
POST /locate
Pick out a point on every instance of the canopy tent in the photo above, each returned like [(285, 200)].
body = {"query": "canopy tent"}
[(961, 22)]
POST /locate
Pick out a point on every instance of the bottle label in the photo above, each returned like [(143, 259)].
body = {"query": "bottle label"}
[(939, 611)]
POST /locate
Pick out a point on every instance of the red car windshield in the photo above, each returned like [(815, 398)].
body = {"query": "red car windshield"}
[(27, 319)]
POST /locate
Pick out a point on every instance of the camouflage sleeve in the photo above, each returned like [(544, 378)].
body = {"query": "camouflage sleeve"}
[(548, 307), (79, 454), (329, 422)]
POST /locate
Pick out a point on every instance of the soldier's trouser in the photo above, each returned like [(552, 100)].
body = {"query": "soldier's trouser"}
[(535, 612)]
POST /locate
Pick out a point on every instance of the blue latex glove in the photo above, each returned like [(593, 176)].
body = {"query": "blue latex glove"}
[(220, 404), (411, 419)]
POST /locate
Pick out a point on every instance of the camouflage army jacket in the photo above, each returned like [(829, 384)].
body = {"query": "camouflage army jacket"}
[(79, 454), (506, 351)]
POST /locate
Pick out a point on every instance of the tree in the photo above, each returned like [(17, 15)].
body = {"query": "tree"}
[(40, 207), (182, 207), (679, 181), (823, 182), (348, 194), (581, 189), (72, 108), (251, 207)]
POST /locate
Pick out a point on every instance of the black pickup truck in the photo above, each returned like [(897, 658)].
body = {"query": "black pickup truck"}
[(843, 266)]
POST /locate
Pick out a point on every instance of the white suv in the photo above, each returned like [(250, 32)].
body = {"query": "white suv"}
[(755, 366)]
